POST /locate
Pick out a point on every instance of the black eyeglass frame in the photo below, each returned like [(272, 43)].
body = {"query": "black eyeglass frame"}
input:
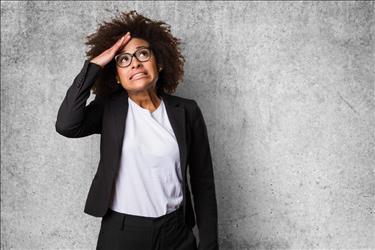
[(133, 55)]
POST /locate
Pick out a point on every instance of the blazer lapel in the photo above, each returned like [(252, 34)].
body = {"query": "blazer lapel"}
[(176, 114)]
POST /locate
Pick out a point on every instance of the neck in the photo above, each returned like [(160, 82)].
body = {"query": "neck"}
[(147, 99)]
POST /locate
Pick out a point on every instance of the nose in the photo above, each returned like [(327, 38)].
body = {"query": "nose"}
[(135, 63)]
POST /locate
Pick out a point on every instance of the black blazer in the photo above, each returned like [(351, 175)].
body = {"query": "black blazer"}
[(107, 116)]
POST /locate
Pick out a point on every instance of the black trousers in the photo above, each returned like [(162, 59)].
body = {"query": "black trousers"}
[(130, 232)]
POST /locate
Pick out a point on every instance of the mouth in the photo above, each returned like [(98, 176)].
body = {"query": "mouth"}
[(138, 75)]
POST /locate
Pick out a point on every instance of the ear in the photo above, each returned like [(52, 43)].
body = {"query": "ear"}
[(117, 78)]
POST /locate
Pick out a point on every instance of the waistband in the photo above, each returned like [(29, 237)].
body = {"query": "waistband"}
[(122, 219)]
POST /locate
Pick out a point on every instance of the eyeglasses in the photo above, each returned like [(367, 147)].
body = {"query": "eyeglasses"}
[(125, 59)]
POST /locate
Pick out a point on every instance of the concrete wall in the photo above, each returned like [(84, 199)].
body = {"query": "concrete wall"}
[(287, 92)]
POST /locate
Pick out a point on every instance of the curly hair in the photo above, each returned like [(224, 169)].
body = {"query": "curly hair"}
[(156, 33)]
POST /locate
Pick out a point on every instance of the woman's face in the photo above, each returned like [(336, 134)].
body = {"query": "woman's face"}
[(145, 81)]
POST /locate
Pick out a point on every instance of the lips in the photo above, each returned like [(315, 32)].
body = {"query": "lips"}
[(138, 74)]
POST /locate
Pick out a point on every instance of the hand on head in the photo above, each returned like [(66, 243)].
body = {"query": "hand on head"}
[(107, 55)]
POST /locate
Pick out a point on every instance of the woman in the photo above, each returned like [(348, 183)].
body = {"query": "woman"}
[(148, 140)]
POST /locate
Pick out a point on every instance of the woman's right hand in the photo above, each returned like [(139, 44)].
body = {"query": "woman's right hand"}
[(107, 55)]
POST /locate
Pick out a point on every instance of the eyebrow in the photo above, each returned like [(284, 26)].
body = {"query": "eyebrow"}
[(142, 46)]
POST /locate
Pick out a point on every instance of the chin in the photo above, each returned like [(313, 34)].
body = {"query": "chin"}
[(140, 86)]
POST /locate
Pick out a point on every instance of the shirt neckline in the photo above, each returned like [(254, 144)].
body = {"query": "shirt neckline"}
[(144, 109)]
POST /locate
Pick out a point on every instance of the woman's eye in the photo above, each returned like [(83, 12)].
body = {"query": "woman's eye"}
[(144, 53), (124, 59)]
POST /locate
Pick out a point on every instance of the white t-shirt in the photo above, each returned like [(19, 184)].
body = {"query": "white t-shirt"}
[(149, 182)]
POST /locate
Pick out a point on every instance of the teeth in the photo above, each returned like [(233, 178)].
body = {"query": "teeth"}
[(138, 74)]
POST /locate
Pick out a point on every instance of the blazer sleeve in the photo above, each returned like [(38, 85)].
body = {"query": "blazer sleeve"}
[(74, 118), (202, 183)]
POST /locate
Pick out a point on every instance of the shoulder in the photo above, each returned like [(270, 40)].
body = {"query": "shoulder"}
[(190, 105), (185, 102)]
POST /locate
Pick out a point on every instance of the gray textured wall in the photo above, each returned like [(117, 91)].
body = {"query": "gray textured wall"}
[(287, 91)]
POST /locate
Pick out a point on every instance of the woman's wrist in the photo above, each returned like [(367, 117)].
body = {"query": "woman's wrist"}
[(92, 61)]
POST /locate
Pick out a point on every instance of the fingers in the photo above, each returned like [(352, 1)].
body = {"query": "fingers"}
[(125, 40), (121, 42)]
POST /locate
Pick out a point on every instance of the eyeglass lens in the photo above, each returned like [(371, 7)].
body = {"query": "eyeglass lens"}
[(125, 59)]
